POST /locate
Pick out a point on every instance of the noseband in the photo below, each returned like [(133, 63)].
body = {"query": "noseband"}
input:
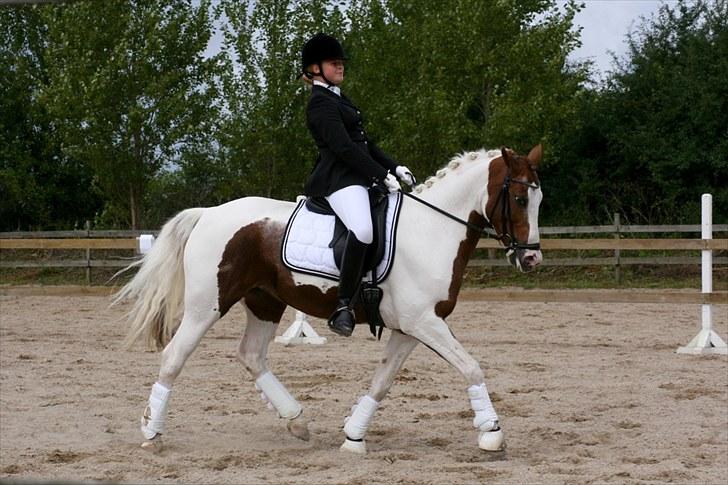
[(505, 236)]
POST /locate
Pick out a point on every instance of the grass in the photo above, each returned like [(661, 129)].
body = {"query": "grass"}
[(589, 277)]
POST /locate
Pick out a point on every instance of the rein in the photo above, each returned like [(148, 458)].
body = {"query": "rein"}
[(505, 237), (480, 230)]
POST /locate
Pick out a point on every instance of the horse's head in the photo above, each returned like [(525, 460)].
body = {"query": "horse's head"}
[(514, 195)]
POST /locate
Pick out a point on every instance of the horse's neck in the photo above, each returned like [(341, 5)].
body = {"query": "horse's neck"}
[(440, 244), (461, 191)]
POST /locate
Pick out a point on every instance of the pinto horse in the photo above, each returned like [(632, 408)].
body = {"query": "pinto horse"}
[(208, 259)]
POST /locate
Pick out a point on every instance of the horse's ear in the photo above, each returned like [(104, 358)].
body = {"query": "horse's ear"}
[(507, 155), (535, 155)]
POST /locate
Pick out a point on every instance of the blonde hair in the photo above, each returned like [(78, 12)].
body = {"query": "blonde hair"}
[(307, 80)]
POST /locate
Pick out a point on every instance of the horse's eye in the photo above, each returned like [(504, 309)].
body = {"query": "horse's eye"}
[(522, 201)]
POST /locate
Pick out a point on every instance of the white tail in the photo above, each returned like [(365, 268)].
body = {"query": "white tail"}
[(158, 287)]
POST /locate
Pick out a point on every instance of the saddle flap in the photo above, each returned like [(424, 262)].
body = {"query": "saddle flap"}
[(313, 237)]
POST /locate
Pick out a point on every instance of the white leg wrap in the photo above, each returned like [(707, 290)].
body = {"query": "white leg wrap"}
[(274, 393), (156, 411), (355, 426), (485, 417)]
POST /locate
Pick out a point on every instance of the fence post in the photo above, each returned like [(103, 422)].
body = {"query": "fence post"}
[(88, 255), (707, 341), (617, 261)]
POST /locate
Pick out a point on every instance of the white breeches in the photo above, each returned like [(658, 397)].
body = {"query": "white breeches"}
[(351, 204)]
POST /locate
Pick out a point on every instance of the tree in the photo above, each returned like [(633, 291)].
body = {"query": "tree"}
[(664, 117), (42, 188), (437, 78), (130, 90), (265, 141)]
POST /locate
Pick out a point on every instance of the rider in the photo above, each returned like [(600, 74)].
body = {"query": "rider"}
[(348, 163)]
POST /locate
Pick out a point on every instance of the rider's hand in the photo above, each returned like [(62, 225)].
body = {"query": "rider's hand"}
[(391, 183), (405, 175)]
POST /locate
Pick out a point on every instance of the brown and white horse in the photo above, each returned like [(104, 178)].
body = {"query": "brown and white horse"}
[(207, 260)]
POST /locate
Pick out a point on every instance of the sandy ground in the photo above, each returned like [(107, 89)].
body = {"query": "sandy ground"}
[(586, 393)]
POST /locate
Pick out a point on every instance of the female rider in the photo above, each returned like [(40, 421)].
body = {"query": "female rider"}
[(348, 164)]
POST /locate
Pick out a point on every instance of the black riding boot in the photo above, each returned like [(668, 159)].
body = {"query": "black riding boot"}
[(352, 265)]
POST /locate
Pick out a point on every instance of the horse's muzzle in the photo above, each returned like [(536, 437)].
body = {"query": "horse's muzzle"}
[(525, 259)]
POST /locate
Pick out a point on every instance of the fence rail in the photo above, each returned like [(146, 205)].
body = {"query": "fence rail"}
[(128, 240), (552, 230)]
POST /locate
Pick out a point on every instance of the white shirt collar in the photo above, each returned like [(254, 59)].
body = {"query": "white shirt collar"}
[(334, 89)]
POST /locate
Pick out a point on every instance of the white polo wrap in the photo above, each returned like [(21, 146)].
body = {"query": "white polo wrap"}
[(156, 412), (277, 395), (485, 417), (355, 426)]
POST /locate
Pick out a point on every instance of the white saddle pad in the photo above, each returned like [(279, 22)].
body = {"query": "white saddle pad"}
[(306, 242)]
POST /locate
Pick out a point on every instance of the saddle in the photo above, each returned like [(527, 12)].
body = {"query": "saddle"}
[(315, 238), (378, 203)]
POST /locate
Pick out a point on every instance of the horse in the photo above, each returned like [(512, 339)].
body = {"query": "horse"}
[(205, 260)]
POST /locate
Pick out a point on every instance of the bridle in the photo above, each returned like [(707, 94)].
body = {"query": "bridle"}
[(505, 236)]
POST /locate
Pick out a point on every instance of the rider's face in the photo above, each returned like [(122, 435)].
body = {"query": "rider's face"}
[(334, 71)]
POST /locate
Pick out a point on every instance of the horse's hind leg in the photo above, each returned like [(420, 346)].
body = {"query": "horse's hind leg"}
[(195, 324), (252, 352), (399, 346)]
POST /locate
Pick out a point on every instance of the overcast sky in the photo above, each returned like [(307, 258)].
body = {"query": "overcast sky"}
[(606, 23)]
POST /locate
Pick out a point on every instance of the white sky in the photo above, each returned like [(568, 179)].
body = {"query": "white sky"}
[(605, 26)]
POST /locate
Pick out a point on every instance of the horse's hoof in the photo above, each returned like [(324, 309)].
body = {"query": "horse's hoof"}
[(358, 447), (492, 441), (153, 445), (299, 428)]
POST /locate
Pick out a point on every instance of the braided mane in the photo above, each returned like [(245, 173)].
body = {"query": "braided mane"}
[(454, 163)]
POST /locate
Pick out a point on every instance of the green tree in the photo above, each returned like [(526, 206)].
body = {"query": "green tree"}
[(131, 91), (41, 187), (440, 77), (663, 118), (265, 143)]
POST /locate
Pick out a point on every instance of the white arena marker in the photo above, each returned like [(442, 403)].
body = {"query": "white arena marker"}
[(145, 243), (300, 332), (707, 341)]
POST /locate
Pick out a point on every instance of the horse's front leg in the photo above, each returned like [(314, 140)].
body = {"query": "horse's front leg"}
[(434, 332), (252, 353), (399, 346)]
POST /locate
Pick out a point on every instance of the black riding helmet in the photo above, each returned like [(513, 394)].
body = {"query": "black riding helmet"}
[(321, 47)]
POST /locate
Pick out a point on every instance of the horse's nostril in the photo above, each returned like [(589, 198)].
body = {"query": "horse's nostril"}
[(531, 261)]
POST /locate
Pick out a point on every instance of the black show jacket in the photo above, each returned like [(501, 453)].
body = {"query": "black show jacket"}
[(346, 156)]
